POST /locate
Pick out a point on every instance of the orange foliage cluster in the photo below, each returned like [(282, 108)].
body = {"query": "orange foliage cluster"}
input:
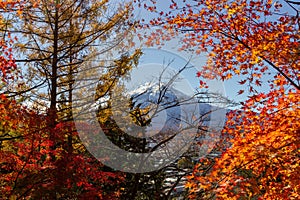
[(263, 160), (256, 39)]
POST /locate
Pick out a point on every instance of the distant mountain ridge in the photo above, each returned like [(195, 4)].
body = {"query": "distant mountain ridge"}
[(174, 104)]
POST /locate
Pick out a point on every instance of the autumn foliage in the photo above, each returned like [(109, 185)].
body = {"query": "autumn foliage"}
[(36, 161), (31, 167), (41, 157), (257, 41), (263, 160)]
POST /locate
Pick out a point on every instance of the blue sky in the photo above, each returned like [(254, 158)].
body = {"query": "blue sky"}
[(167, 53), (164, 55), (231, 86)]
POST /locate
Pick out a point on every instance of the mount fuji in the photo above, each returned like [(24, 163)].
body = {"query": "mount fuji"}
[(172, 107)]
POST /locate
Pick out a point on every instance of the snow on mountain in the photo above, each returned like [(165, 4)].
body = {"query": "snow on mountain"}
[(180, 114), (174, 107)]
